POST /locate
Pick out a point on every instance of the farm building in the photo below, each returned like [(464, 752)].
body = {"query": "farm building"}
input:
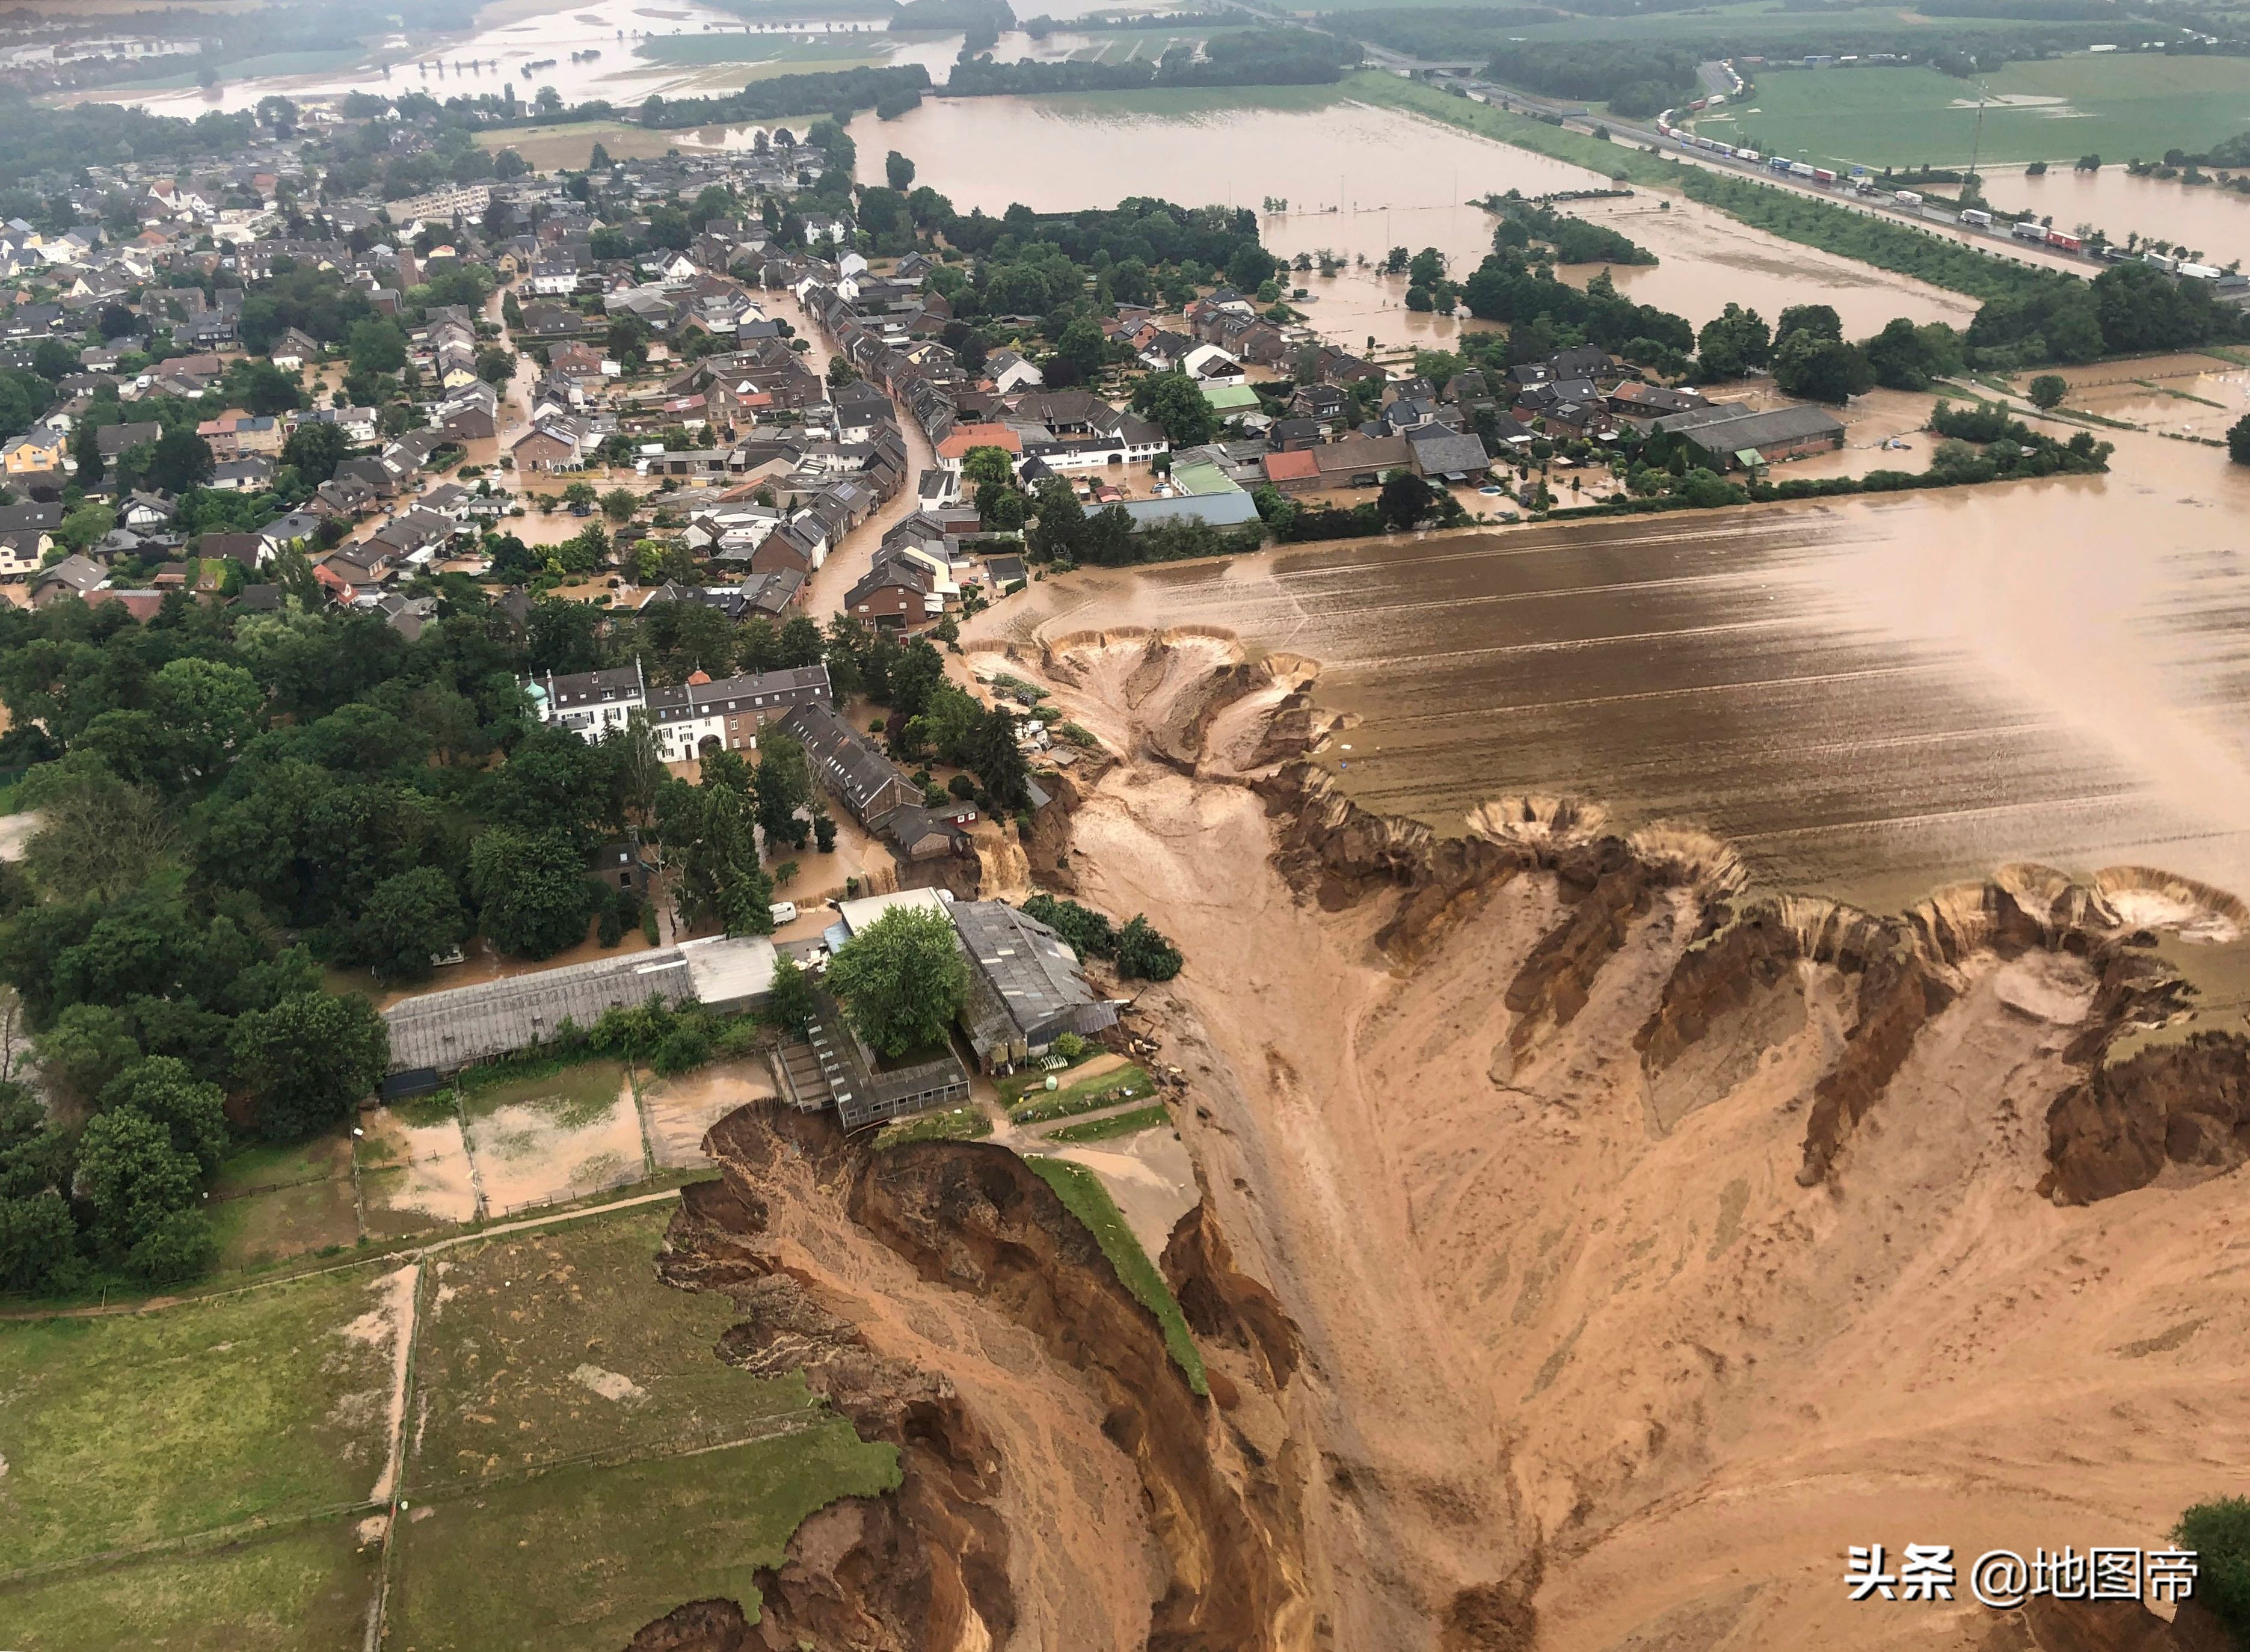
[(1734, 438), (434, 1034), (1026, 988)]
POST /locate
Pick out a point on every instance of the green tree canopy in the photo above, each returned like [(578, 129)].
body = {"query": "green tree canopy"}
[(309, 1059), (532, 895), (902, 980)]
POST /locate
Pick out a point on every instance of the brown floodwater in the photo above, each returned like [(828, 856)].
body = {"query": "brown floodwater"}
[(2203, 217), (1868, 697), (1357, 180)]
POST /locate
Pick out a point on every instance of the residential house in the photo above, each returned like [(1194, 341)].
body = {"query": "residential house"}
[(1026, 986), (703, 715)]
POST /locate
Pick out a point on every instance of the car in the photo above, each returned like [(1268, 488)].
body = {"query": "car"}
[(784, 911), (1492, 490), (581, 510)]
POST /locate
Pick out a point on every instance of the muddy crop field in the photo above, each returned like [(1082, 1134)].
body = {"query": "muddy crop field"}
[(572, 1457)]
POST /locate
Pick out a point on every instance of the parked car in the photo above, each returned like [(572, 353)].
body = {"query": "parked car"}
[(784, 911)]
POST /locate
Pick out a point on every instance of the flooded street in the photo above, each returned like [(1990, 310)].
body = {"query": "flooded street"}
[(1868, 697)]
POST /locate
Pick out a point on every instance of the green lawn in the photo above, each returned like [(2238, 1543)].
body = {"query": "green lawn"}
[(966, 1123), (1082, 1191), (2117, 105), (1104, 1090), (524, 1332), (305, 1588), (138, 1428), (578, 1559), (1123, 1124)]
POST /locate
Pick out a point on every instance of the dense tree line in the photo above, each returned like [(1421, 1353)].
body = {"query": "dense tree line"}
[(1255, 57), (1636, 80), (1575, 241), (1544, 313), (842, 92)]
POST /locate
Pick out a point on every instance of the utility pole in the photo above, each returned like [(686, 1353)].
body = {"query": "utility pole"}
[(1977, 143)]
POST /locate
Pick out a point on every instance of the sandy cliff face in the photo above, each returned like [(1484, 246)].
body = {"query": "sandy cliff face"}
[(1650, 1242), (1591, 1248)]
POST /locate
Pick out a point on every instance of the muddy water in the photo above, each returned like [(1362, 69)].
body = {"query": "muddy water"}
[(1870, 698), (509, 38), (2212, 221), (1338, 167)]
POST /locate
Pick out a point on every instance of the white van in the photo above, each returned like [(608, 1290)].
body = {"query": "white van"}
[(784, 911)]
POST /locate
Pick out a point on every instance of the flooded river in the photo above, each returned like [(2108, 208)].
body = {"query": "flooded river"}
[(1868, 697)]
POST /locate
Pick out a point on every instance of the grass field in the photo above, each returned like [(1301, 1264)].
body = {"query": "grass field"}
[(553, 1328), (2120, 106), (581, 1558), (1123, 1124), (578, 1459), (964, 1123), (1082, 1191), (306, 1588), (137, 1428), (1104, 1090), (270, 1204)]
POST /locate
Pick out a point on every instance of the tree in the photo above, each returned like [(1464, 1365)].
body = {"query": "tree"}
[(2048, 390), (1427, 268), (309, 1060), (86, 526), (1819, 319), (409, 921), (2217, 1534), (1176, 403), (315, 449), (902, 980), (790, 1002), (2238, 440), (711, 847), (1733, 343), (207, 710), (163, 1089), (85, 447), (1143, 954), (495, 366), (181, 460), (783, 785), (1405, 500), (532, 895), (578, 494), (1821, 370), (983, 467), (897, 171), (132, 1178), (1081, 346), (375, 345), (619, 504), (1906, 357)]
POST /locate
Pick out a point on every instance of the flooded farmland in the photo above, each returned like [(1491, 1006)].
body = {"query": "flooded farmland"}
[(1867, 698), (1336, 164)]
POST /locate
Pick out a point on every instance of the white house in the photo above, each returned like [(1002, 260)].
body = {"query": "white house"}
[(1011, 372)]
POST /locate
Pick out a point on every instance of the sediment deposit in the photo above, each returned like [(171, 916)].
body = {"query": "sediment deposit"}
[(1593, 1246)]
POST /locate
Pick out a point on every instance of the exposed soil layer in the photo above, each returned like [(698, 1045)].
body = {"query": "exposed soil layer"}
[(1591, 1248), (941, 1296), (1644, 1240)]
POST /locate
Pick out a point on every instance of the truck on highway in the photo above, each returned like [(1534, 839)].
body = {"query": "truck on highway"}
[(1906, 198), (2030, 230), (1977, 218)]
